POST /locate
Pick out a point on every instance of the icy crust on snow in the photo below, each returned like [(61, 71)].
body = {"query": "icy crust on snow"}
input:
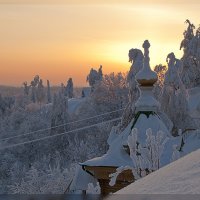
[(194, 102), (179, 177), (117, 156)]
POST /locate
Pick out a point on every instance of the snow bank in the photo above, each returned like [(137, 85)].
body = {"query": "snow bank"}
[(179, 177)]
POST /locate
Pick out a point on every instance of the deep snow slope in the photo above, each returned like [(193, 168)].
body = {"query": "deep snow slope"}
[(179, 177)]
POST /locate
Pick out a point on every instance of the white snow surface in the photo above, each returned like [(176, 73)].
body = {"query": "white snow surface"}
[(179, 177), (117, 156)]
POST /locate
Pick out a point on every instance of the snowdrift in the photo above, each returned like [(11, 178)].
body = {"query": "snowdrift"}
[(179, 177)]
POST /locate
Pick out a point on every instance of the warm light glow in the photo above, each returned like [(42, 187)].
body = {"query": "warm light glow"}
[(62, 40)]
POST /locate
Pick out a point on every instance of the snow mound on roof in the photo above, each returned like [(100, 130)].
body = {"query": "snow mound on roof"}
[(153, 121), (117, 156), (179, 177)]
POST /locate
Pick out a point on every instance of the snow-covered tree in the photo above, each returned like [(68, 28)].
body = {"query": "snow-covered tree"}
[(82, 94), (54, 180), (33, 92), (136, 58), (37, 90), (174, 96), (6, 104), (160, 70), (154, 148), (69, 89), (40, 92), (146, 157), (94, 77), (100, 72), (59, 113), (26, 88), (139, 162), (111, 92), (49, 98), (191, 58)]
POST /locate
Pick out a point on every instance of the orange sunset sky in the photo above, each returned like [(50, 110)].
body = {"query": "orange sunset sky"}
[(58, 39)]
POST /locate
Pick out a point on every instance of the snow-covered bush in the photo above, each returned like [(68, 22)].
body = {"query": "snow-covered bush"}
[(52, 181)]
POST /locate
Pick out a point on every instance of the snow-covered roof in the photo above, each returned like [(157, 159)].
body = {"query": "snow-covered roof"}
[(146, 116), (179, 177), (117, 156)]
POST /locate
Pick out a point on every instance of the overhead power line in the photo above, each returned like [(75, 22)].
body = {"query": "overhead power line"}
[(46, 129), (52, 136)]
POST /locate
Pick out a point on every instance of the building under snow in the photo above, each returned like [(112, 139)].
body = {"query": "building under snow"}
[(147, 115)]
